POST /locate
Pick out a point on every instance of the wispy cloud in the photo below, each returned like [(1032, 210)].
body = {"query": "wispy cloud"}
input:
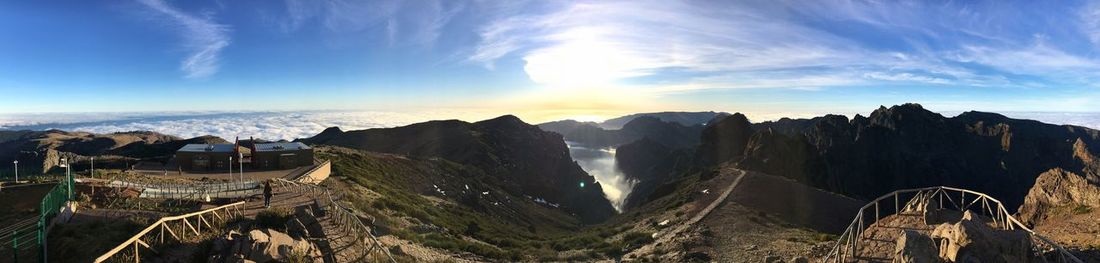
[(203, 38), (418, 22), (792, 44)]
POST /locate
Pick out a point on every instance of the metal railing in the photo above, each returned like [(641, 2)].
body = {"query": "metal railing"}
[(21, 239), (341, 216), (849, 243), (192, 191), (183, 224)]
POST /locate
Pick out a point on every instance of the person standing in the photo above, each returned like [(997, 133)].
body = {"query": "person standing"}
[(267, 194)]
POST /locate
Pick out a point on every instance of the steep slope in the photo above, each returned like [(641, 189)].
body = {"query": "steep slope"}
[(650, 164), (900, 147), (525, 159)]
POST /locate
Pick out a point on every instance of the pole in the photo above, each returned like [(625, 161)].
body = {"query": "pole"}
[(93, 168), (240, 162), (16, 171), (69, 174), (230, 167)]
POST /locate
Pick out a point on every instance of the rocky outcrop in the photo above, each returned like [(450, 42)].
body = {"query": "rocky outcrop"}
[(724, 140), (651, 164), (914, 247), (1057, 189), (522, 158), (904, 146), (261, 246), (972, 240)]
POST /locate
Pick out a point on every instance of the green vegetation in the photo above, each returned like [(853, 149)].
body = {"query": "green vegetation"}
[(1082, 209), (274, 218), (467, 224), (91, 239)]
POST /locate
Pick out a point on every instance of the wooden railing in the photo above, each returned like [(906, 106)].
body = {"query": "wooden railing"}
[(182, 224), (850, 242), (342, 216)]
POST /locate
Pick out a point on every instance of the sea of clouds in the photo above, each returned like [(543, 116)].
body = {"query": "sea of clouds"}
[(292, 125), (265, 125)]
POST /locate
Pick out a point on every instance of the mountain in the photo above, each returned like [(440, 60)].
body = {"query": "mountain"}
[(903, 146), (523, 158), (669, 133), (682, 118), (41, 151)]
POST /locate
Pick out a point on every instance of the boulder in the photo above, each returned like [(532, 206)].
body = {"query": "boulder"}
[(262, 246), (971, 240), (914, 247)]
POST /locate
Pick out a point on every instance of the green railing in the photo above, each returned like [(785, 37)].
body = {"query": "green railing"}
[(22, 238)]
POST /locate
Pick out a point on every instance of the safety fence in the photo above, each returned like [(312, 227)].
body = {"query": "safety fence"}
[(26, 239), (850, 244), (193, 191), (346, 221), (172, 229)]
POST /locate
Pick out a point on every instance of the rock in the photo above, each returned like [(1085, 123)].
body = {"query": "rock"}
[(262, 246), (697, 256), (1057, 188), (800, 260), (972, 240), (914, 247), (773, 259)]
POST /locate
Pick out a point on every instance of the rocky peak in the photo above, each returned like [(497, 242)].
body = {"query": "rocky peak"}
[(1057, 189), (725, 140)]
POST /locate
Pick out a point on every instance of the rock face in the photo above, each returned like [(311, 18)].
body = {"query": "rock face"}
[(1061, 189), (914, 247), (523, 158), (1057, 189), (261, 246), (971, 240), (901, 147), (651, 164)]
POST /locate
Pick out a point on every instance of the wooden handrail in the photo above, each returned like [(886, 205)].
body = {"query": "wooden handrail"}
[(136, 238), (849, 238), (341, 211)]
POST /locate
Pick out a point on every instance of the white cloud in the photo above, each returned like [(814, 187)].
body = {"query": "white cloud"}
[(1090, 21), (203, 38), (419, 22), (976, 44), (905, 77)]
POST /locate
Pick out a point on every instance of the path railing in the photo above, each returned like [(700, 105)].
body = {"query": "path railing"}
[(21, 239), (342, 216), (193, 191), (176, 227), (850, 242)]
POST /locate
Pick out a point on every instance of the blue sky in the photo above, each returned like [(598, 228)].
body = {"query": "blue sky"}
[(545, 60)]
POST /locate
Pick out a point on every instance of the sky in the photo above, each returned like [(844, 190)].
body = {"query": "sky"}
[(547, 60)]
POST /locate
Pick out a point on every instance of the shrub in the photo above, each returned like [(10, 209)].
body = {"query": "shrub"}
[(1082, 209), (273, 219)]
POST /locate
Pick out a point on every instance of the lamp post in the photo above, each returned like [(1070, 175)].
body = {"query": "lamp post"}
[(16, 162), (230, 167), (240, 160), (68, 176), (92, 174)]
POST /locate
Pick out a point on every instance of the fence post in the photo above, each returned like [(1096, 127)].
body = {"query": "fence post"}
[(15, 245)]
